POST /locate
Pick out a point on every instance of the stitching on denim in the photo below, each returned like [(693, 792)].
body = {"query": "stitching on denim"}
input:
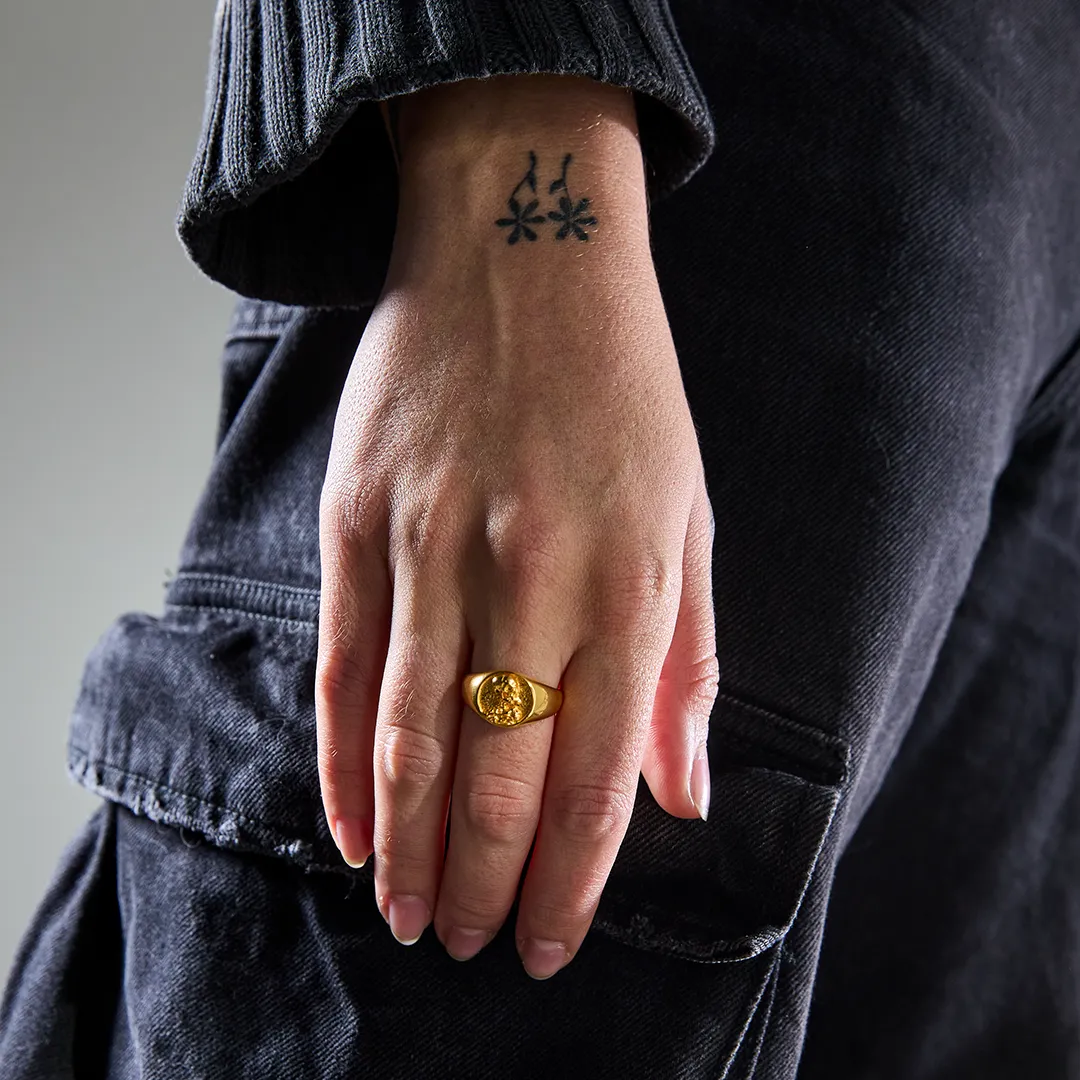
[(793, 823), (642, 931), (257, 592), (301, 624), (268, 331), (157, 785), (231, 579), (837, 749), (659, 938), (769, 979), (791, 765), (772, 983), (260, 318), (813, 865), (833, 743), (262, 833)]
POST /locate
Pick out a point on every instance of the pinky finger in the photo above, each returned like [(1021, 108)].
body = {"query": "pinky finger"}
[(354, 631)]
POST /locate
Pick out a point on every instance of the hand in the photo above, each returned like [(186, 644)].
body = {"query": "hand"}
[(514, 482)]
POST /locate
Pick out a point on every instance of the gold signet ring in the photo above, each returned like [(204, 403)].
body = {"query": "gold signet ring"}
[(507, 699)]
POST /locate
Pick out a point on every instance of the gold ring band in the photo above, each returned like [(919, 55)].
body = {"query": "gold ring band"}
[(508, 699)]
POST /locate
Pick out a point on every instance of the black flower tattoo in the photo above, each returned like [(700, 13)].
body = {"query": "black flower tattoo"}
[(522, 216), (573, 218), (573, 215)]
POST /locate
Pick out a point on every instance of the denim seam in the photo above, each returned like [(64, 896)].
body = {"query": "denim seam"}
[(771, 985), (262, 838), (227, 579), (770, 980), (632, 930), (833, 744), (788, 841), (300, 624), (791, 764), (264, 319), (304, 851), (268, 334), (158, 785)]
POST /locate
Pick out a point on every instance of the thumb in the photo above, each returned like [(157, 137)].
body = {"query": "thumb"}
[(675, 764)]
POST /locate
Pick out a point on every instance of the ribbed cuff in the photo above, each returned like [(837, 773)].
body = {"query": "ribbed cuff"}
[(292, 192)]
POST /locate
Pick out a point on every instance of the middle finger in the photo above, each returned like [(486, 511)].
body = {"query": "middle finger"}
[(499, 778)]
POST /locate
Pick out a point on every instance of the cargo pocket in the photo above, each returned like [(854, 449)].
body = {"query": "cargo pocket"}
[(203, 719), (729, 888), (720, 896)]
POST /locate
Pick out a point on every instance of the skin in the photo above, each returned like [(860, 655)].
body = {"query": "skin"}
[(514, 483)]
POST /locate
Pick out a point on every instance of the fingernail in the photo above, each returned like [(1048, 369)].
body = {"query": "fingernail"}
[(353, 838), (542, 958), (408, 917), (700, 785), (463, 944)]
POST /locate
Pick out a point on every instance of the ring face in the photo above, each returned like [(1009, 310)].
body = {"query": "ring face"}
[(504, 699)]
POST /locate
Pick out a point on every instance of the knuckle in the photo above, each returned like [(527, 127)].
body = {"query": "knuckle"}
[(639, 585), (340, 680), (399, 857), (499, 809), (529, 548), (590, 811), (428, 534), (703, 684), (348, 506), (333, 766), (561, 917), (411, 756), (470, 909)]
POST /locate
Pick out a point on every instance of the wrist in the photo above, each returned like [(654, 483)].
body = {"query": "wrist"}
[(444, 116), (476, 155)]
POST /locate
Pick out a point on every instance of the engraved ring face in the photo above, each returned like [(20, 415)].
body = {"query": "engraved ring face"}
[(504, 699)]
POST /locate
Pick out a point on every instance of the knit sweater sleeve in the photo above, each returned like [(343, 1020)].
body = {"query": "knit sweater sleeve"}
[(292, 192)]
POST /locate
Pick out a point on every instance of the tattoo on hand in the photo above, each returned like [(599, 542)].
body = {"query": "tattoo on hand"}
[(523, 216), (574, 217)]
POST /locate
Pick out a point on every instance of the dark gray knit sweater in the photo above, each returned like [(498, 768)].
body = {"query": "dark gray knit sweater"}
[(292, 193)]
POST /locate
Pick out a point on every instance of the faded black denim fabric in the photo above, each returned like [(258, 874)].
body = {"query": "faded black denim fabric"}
[(874, 287)]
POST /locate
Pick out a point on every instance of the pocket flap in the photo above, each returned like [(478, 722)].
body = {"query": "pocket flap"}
[(730, 887)]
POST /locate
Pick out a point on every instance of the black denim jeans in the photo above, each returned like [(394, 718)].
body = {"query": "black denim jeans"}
[(874, 287)]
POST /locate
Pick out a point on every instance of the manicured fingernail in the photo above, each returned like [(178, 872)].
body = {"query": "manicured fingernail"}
[(463, 944), (408, 917), (542, 958), (353, 838), (700, 785)]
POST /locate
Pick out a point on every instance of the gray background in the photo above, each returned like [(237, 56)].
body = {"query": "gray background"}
[(109, 347)]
